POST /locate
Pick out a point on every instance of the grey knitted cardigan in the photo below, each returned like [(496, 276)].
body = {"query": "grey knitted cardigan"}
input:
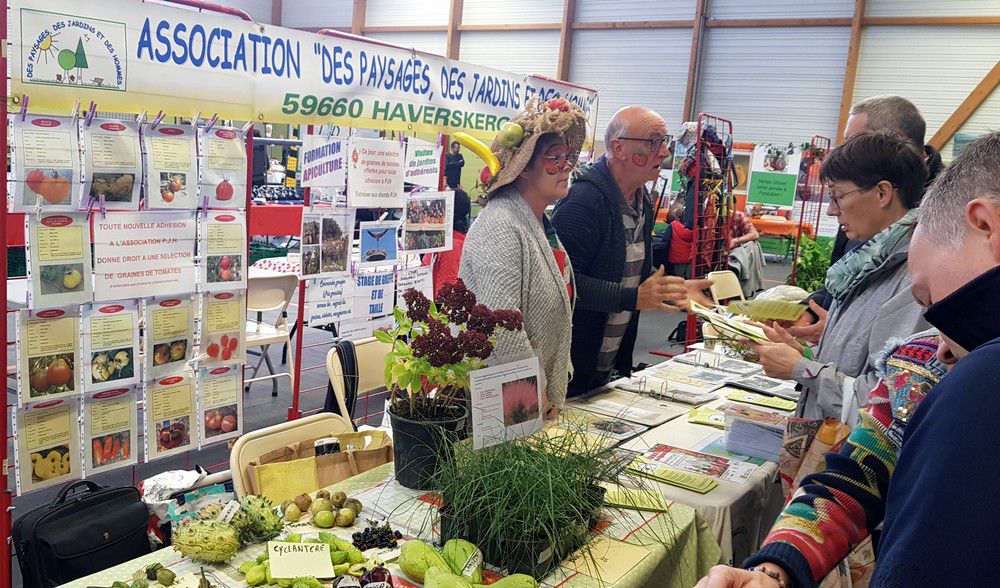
[(508, 263)]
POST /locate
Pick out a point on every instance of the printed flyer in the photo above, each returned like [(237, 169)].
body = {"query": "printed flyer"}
[(47, 436), (171, 166), (373, 294), (507, 402), (47, 156), (140, 254), (223, 168), (221, 403), (774, 173), (374, 173), (170, 410), (169, 334), (379, 243), (48, 354), (110, 345), (419, 278), (323, 162), (358, 329), (112, 163), (223, 243), (223, 328), (428, 221), (329, 300), (423, 163), (327, 240), (59, 268), (110, 429)]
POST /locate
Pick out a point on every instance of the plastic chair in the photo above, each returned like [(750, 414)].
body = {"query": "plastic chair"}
[(370, 358), (250, 446), (726, 285), (265, 294)]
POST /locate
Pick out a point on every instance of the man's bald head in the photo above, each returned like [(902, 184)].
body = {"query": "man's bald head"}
[(632, 119)]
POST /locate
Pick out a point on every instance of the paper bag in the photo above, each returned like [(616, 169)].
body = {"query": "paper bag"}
[(804, 447)]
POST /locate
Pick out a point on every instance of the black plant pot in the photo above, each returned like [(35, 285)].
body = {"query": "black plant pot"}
[(418, 447)]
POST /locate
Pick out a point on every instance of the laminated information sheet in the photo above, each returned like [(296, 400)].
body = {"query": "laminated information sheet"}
[(112, 163), (169, 334), (427, 225), (48, 444), (223, 329), (46, 163), (110, 429), (327, 240), (223, 168), (59, 264), (220, 403), (110, 345), (48, 354), (172, 166), (223, 251), (170, 412)]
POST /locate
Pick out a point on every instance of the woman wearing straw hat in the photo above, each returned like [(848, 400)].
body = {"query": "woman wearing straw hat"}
[(512, 257)]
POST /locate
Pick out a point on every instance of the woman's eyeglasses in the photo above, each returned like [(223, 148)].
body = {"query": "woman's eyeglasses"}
[(835, 199), (560, 161)]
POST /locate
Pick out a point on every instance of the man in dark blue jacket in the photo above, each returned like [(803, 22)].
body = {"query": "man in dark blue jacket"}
[(606, 225)]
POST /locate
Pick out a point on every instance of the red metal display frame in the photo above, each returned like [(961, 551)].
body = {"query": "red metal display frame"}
[(813, 191), (713, 200)]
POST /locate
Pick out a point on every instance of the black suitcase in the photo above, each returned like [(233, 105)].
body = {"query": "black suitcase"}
[(80, 533)]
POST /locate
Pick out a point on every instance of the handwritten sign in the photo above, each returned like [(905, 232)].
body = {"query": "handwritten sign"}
[(290, 560)]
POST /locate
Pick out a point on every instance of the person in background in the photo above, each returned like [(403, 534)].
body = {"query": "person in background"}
[(453, 164), (875, 182), (878, 113), (746, 258), (512, 258), (606, 222), (446, 263), (260, 162)]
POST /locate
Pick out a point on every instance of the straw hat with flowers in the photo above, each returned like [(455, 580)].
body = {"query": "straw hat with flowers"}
[(515, 143)]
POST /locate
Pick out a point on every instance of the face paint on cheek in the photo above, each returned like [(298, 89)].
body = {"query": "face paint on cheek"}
[(559, 152), (550, 168), (640, 158)]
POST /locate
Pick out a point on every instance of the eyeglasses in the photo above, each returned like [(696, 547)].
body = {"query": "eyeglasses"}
[(835, 199), (655, 143), (561, 161)]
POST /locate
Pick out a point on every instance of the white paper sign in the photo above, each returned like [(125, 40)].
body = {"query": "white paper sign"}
[(374, 173), (223, 168), (423, 163), (356, 330), (220, 401), (170, 410), (506, 402), (223, 237), (48, 444), (379, 243), (223, 328), (46, 164), (322, 161), (112, 163), (172, 166), (290, 560), (110, 429), (373, 294), (427, 226), (110, 345), (59, 264), (329, 300), (139, 254), (420, 278)]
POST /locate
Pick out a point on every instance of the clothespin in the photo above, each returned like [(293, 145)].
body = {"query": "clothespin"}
[(204, 205), (38, 210), (90, 206), (329, 131), (141, 118), (383, 217), (196, 119), (247, 127), (156, 121), (211, 122), (402, 139), (104, 207), (91, 112), (24, 106), (76, 111)]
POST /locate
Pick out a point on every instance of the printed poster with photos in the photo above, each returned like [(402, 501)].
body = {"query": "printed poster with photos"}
[(774, 174), (112, 163), (170, 412), (422, 166), (139, 254), (47, 438), (110, 345), (374, 173), (427, 226), (110, 429), (46, 163), (169, 332), (223, 328), (327, 240), (172, 166), (223, 243), (379, 243), (48, 354), (221, 403), (59, 264), (506, 402), (223, 168)]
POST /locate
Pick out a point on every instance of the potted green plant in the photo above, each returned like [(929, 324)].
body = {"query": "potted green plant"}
[(435, 345)]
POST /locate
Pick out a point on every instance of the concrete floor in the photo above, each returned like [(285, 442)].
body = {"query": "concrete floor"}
[(262, 410)]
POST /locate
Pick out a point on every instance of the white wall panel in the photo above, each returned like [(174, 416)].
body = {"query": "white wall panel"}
[(511, 11), (985, 119), (630, 10), (406, 12), (742, 9), (935, 67), (259, 10), (433, 42), (775, 84), (317, 13), (647, 67), (523, 52), (933, 8)]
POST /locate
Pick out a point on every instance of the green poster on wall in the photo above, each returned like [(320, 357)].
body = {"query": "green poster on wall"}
[(774, 171)]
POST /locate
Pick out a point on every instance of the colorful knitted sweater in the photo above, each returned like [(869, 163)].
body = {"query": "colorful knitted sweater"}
[(833, 510)]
